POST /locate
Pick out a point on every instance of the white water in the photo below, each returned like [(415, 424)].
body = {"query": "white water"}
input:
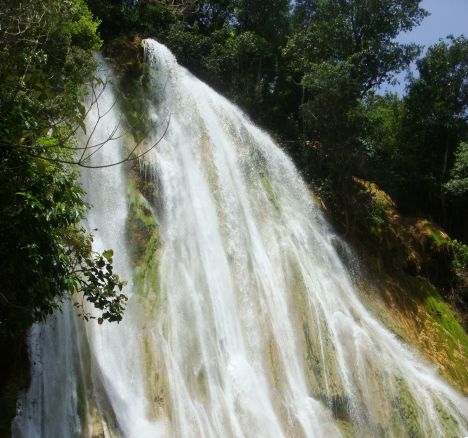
[(250, 327)]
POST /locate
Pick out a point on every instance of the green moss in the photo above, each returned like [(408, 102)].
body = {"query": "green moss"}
[(417, 287), (141, 222), (449, 424), (139, 206), (133, 91), (269, 192), (144, 239), (438, 238), (312, 358), (446, 340), (449, 336), (414, 310), (441, 312), (146, 273), (346, 428), (146, 276), (82, 404), (405, 416)]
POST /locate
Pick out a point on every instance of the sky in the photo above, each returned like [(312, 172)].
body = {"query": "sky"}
[(447, 17)]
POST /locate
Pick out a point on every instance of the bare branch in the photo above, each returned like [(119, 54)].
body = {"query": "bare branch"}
[(80, 162)]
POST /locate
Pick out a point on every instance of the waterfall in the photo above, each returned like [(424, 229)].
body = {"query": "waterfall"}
[(242, 320)]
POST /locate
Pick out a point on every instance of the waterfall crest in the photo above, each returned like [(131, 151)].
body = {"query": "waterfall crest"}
[(242, 319)]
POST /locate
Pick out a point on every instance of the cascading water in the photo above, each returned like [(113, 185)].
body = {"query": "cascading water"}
[(242, 320)]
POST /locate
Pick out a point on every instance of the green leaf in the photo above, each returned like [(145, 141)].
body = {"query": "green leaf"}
[(107, 254)]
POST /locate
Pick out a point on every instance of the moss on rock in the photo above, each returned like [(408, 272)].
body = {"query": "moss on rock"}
[(410, 280), (412, 308), (405, 417), (126, 56), (144, 239)]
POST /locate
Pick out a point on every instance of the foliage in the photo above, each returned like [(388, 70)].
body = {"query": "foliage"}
[(47, 256), (338, 52), (458, 182), (355, 39), (415, 146), (460, 259), (460, 270), (98, 284), (46, 57), (45, 53), (124, 17), (381, 118), (435, 121)]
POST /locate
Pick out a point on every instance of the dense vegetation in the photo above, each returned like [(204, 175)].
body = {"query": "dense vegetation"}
[(46, 59), (308, 71)]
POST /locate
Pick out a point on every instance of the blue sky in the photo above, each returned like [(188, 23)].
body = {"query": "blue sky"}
[(447, 17)]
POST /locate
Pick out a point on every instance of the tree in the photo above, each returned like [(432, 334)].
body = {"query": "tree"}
[(380, 140), (343, 49), (434, 125), (338, 52), (457, 185), (46, 58)]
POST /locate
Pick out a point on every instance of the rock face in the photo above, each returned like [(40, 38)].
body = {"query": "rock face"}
[(410, 262)]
